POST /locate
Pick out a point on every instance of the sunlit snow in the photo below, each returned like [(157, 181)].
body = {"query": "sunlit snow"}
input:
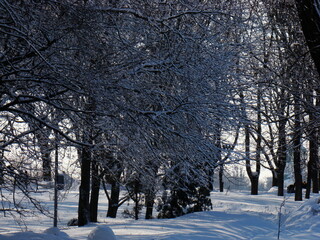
[(235, 215)]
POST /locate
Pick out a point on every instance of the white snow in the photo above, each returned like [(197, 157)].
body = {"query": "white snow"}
[(102, 233), (56, 232), (306, 217), (235, 215), (29, 235)]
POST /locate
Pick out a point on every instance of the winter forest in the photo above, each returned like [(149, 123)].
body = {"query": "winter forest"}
[(156, 102)]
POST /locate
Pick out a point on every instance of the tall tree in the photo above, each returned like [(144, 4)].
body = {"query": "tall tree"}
[(33, 81), (310, 19), (309, 15)]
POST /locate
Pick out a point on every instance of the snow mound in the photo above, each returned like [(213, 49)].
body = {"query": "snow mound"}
[(30, 235), (56, 231), (49, 234), (307, 216), (273, 190), (102, 233)]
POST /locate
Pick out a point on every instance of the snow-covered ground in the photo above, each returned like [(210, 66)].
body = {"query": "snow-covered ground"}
[(235, 215)]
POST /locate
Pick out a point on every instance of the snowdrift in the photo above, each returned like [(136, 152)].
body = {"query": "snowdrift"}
[(34, 236), (102, 233), (306, 217), (235, 216), (98, 233)]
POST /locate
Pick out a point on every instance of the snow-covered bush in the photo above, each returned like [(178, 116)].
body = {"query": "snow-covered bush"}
[(181, 202), (73, 222)]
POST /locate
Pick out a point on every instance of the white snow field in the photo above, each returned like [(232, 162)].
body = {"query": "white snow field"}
[(235, 215)]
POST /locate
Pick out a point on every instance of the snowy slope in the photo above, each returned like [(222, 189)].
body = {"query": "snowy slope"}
[(235, 215)]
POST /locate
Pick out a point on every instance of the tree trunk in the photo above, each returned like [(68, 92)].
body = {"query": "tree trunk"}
[(218, 154), (136, 208), (254, 179), (210, 179), (282, 155), (114, 200), (46, 165), (274, 178), (254, 176), (308, 190), (254, 185), (84, 191), (310, 17), (254, 190), (149, 205), (281, 183), (2, 166), (313, 160), (45, 151), (297, 171), (297, 135), (221, 183), (313, 163), (95, 187)]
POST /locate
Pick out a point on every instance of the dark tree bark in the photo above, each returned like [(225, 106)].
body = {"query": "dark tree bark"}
[(149, 204), (112, 176), (150, 189), (308, 190), (259, 141), (274, 178), (2, 166), (310, 22), (252, 175), (281, 182), (309, 15), (42, 136), (282, 156), (136, 197), (114, 199), (46, 165), (210, 178), (312, 99), (297, 135), (221, 183), (84, 191), (95, 187), (218, 154), (255, 185), (86, 161), (313, 161)]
